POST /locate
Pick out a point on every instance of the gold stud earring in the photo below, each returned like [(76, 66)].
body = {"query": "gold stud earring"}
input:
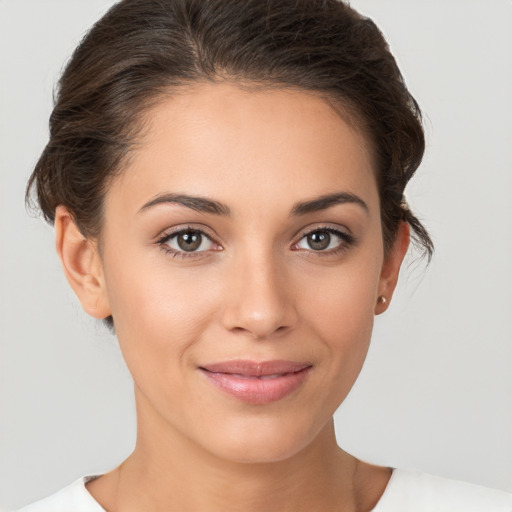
[(382, 300)]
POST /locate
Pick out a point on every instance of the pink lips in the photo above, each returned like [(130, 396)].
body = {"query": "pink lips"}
[(257, 382)]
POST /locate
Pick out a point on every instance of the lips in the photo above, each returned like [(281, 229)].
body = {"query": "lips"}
[(257, 382)]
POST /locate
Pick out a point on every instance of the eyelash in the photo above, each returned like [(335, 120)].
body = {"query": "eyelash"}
[(347, 240), (166, 237)]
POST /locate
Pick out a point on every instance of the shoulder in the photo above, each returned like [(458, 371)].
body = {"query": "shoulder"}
[(74, 497), (422, 492)]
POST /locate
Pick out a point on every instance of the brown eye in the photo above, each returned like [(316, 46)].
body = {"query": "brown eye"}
[(319, 240), (324, 240), (189, 240)]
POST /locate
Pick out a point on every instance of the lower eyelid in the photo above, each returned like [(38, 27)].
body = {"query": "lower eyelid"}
[(166, 237), (345, 241), (342, 235)]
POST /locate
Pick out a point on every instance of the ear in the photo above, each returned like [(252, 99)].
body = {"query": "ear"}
[(82, 264), (391, 268)]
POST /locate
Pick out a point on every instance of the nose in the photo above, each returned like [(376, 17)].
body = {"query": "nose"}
[(259, 299)]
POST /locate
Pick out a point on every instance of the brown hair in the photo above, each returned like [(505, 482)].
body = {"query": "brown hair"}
[(142, 49)]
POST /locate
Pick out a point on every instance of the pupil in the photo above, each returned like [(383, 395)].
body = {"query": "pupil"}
[(189, 241), (319, 240)]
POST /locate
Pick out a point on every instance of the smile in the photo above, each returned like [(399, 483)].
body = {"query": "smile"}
[(257, 383)]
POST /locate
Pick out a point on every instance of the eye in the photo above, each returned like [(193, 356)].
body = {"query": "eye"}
[(187, 241), (324, 240)]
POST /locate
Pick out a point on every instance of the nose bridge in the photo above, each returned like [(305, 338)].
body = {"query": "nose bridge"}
[(259, 302)]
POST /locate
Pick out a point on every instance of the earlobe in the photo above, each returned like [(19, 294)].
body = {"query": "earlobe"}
[(82, 264), (391, 268)]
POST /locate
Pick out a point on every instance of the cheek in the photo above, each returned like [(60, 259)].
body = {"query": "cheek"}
[(345, 329), (341, 313), (158, 312), (342, 305)]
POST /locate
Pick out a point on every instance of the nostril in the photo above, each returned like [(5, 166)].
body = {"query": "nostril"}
[(260, 309), (258, 333)]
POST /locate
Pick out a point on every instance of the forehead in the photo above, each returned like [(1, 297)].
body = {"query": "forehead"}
[(224, 141)]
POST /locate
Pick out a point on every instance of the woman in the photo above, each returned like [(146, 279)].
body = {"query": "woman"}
[(226, 181)]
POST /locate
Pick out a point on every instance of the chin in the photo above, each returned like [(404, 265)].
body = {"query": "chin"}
[(259, 442)]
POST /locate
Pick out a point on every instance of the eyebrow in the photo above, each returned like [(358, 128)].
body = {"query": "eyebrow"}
[(204, 205), (327, 201), (199, 204)]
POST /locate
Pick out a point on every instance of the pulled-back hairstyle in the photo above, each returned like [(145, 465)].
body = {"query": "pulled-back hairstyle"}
[(142, 50)]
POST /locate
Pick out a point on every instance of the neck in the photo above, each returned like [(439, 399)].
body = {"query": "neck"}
[(167, 471), (185, 478)]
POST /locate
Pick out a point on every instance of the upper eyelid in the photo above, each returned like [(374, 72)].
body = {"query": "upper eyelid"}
[(347, 239), (166, 234), (169, 232), (325, 227)]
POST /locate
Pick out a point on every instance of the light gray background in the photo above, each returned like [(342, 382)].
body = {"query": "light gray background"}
[(436, 391)]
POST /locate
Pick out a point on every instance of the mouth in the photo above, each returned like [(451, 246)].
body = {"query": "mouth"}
[(257, 382)]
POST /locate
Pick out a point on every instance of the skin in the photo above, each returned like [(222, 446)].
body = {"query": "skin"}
[(257, 290)]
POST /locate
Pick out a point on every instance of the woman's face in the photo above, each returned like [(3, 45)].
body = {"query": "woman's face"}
[(242, 260)]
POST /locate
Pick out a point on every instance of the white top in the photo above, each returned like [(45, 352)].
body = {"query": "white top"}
[(407, 491)]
